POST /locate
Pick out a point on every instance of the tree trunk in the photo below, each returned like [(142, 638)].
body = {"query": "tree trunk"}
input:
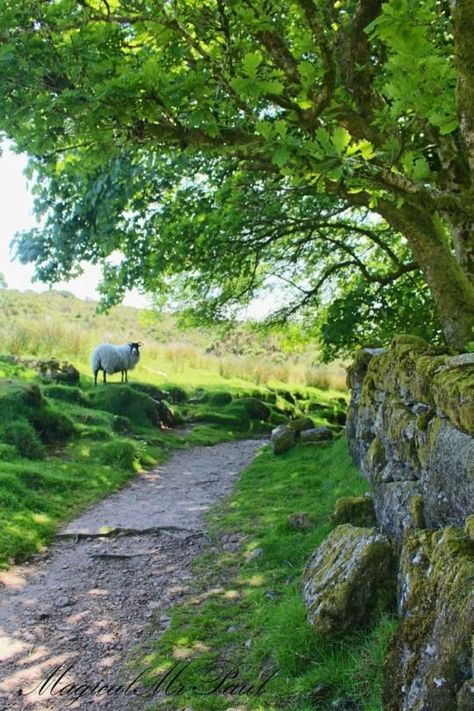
[(462, 230), (450, 286)]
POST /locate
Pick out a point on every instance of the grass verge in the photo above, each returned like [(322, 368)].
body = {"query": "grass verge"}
[(245, 621)]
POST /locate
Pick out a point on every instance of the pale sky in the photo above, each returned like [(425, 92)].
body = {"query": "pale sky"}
[(16, 203), (16, 214)]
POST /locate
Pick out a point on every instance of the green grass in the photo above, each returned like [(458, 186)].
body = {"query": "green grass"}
[(252, 614), (77, 444), (56, 324), (70, 446)]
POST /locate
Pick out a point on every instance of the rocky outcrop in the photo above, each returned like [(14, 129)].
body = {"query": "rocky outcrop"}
[(346, 578), (411, 431), (50, 370)]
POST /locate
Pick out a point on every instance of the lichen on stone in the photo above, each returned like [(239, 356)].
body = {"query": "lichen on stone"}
[(347, 578), (430, 656)]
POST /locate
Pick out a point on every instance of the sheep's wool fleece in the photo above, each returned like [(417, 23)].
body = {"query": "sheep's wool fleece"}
[(113, 359)]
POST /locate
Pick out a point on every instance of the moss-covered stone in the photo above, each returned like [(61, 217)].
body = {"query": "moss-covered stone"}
[(347, 578), (282, 438), (411, 420), (56, 371), (469, 526), (301, 521), (430, 656), (302, 423), (453, 392), (357, 510), (417, 511), (358, 368), (376, 457), (316, 435)]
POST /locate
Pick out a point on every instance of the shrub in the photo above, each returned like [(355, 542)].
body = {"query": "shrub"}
[(8, 452), (119, 452)]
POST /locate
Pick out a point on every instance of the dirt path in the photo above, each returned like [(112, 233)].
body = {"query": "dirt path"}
[(72, 615)]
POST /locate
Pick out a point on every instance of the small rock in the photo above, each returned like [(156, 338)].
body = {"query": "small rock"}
[(64, 601), (357, 510), (316, 434), (302, 423), (300, 520), (282, 438)]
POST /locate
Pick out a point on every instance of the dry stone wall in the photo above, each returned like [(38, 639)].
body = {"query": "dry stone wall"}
[(411, 432)]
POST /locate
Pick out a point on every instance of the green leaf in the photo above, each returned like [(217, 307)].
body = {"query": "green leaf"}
[(251, 62), (341, 139), (281, 156)]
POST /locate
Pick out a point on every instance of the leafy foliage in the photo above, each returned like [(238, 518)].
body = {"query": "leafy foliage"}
[(216, 152)]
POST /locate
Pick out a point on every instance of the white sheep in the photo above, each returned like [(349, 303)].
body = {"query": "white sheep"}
[(114, 359)]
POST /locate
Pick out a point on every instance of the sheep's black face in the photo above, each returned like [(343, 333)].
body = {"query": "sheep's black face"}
[(134, 348)]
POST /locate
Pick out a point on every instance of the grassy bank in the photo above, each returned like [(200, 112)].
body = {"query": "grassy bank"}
[(63, 447), (246, 617)]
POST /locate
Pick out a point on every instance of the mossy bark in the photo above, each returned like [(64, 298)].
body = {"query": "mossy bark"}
[(449, 282)]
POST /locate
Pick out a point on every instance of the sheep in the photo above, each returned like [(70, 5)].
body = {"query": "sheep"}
[(112, 359)]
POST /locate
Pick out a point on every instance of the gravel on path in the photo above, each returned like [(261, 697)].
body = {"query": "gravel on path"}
[(72, 615)]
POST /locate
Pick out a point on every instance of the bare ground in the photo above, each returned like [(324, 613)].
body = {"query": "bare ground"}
[(72, 615)]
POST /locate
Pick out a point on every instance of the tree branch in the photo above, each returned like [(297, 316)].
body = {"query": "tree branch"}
[(463, 22), (316, 25)]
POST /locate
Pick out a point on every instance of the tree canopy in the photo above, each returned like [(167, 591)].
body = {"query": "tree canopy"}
[(220, 146)]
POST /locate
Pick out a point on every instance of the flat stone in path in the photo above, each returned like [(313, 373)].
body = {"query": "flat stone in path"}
[(81, 607)]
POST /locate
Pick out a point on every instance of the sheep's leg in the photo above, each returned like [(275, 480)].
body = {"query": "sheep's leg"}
[(126, 376), (96, 372), (105, 379)]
